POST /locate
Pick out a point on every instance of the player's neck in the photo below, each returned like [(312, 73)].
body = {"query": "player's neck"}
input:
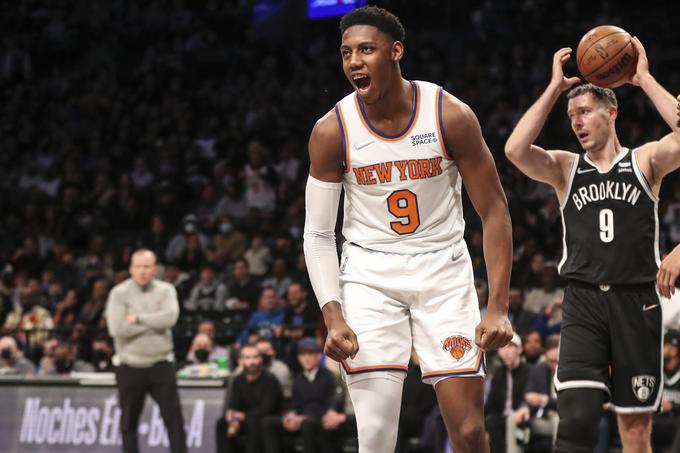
[(396, 101), (606, 154)]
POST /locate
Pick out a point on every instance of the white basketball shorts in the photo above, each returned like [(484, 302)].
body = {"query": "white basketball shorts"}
[(396, 301)]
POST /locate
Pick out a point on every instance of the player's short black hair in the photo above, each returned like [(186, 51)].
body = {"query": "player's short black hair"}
[(604, 95), (380, 18)]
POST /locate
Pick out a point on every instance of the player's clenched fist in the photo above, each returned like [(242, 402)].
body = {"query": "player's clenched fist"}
[(494, 332), (341, 341)]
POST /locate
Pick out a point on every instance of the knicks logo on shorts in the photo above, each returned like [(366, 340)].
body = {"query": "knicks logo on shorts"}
[(457, 346)]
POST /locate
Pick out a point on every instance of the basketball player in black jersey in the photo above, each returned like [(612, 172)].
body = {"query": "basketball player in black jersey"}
[(611, 332)]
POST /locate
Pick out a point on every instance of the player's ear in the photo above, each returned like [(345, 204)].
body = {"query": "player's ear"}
[(397, 51), (613, 112)]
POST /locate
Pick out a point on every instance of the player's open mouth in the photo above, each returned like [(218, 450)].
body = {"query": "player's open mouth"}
[(582, 136), (362, 82)]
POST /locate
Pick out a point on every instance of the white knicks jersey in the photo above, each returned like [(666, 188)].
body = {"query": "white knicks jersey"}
[(403, 192)]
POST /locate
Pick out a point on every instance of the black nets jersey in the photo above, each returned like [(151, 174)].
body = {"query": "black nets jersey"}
[(610, 224)]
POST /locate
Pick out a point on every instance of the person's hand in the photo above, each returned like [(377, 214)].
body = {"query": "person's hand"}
[(642, 66), (292, 422), (522, 415), (332, 419), (668, 273), (558, 79), (341, 341), (131, 318), (536, 399), (233, 415), (495, 331), (666, 406)]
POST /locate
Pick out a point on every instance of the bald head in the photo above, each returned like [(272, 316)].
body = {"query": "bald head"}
[(143, 266), (8, 343)]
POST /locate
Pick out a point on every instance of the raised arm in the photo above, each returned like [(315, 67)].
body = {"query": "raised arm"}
[(534, 161), (322, 198), (478, 170), (663, 155)]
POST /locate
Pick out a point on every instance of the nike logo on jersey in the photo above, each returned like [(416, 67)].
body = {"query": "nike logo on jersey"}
[(359, 146), (649, 307), (584, 170)]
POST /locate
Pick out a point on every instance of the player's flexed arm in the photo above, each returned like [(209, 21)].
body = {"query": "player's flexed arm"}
[(322, 198), (535, 162), (478, 170)]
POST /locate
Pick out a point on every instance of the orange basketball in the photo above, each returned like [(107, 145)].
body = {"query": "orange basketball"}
[(606, 56)]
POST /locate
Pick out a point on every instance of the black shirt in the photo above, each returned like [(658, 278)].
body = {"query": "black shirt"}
[(610, 224), (258, 398), (316, 397)]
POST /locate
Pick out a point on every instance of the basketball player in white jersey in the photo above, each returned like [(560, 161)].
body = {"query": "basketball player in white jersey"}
[(611, 339), (400, 150)]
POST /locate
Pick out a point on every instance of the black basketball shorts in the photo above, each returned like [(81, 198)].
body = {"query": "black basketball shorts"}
[(612, 340)]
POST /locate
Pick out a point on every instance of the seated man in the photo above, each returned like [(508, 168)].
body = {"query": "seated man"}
[(253, 394), (316, 414), (12, 360)]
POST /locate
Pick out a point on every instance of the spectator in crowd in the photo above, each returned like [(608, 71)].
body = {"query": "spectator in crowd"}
[(522, 320), (179, 279), (267, 321), (260, 179), (275, 366), (254, 394), (543, 297), (315, 414), (12, 361), (666, 423), (302, 316), (102, 353), (207, 327), (279, 280), (532, 345), (64, 362), (244, 291), (66, 309), (506, 394), (258, 257), (208, 296), (178, 243), (94, 308), (29, 321), (229, 243), (539, 409)]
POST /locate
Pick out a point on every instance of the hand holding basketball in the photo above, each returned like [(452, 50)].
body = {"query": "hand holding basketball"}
[(558, 79), (642, 67)]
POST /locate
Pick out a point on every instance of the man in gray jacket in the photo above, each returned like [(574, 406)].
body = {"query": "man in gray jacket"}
[(140, 314)]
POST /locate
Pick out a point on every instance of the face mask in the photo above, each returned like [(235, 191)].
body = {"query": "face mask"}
[(100, 358), (63, 366), (201, 355), (7, 354), (226, 227)]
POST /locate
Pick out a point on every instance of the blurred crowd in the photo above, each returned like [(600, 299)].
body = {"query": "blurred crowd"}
[(182, 127)]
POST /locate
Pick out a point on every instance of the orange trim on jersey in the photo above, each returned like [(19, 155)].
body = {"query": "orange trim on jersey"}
[(440, 131), (365, 369), (474, 369), (345, 139), (376, 133)]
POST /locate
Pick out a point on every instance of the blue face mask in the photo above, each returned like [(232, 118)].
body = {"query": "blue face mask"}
[(226, 227)]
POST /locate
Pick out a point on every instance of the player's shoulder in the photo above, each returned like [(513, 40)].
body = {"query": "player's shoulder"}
[(327, 127), (455, 110), (327, 137)]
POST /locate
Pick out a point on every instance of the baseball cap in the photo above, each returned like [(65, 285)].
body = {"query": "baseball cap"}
[(672, 337), (308, 344)]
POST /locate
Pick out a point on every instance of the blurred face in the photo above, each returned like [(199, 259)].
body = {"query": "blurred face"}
[(671, 357), (509, 354), (537, 263), (207, 328), (590, 120), (143, 267), (370, 61), (267, 300), (533, 347), (240, 270), (295, 295), (251, 360), (207, 276), (309, 360), (265, 348), (100, 290), (551, 357), (515, 298)]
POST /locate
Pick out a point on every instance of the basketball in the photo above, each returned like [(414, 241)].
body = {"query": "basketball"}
[(606, 56)]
